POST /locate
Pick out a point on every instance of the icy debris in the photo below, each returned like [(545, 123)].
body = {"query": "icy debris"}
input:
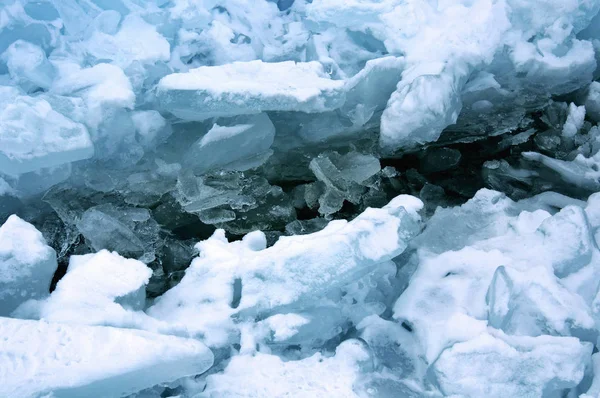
[(293, 272), (129, 231), (33, 135), (27, 264), (41, 358), (496, 365), (264, 375), (248, 88)]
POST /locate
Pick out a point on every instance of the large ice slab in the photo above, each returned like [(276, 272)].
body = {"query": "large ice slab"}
[(27, 264), (248, 88), (33, 135), (69, 361)]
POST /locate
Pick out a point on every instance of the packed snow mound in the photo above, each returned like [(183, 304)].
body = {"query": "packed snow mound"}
[(41, 358), (105, 286), (27, 264)]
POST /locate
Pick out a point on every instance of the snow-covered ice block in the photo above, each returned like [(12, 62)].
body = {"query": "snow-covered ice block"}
[(33, 135), (98, 289), (264, 375), (534, 302), (248, 88), (426, 101), (244, 278), (28, 65), (238, 143), (496, 365), (464, 247), (69, 361), (102, 87), (136, 40), (27, 264)]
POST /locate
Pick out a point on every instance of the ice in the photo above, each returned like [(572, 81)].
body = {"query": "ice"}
[(105, 286), (497, 365), (28, 66), (594, 389), (24, 274), (268, 376), (37, 355), (249, 88), (291, 272), (136, 41), (248, 138), (130, 231), (33, 135), (574, 121), (344, 176)]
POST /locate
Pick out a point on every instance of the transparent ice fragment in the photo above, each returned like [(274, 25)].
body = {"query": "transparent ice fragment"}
[(234, 144)]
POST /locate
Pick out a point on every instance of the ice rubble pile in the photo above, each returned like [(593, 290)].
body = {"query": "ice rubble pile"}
[(150, 142)]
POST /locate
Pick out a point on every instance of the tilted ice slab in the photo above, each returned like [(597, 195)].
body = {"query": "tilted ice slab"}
[(238, 143), (244, 278), (249, 87), (39, 358), (33, 135), (27, 264)]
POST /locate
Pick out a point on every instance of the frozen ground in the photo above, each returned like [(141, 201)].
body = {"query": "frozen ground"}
[(294, 198)]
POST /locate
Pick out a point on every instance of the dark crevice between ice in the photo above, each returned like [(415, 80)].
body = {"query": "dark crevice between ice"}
[(294, 192)]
